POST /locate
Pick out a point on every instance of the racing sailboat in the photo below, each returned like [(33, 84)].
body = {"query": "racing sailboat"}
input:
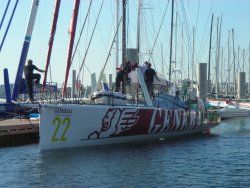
[(111, 118)]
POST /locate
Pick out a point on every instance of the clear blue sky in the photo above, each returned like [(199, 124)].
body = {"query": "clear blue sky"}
[(235, 14)]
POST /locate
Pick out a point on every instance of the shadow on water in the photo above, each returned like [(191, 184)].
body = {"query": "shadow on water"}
[(129, 147), (238, 120), (116, 163)]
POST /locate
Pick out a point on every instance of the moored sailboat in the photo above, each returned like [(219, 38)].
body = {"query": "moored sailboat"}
[(228, 108), (111, 118), (74, 125)]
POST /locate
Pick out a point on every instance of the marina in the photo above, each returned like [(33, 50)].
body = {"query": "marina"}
[(159, 90)]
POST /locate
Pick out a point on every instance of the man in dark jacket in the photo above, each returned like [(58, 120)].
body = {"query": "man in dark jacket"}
[(149, 79), (120, 78), (30, 76)]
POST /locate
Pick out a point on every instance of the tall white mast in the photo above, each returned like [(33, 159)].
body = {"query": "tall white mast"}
[(222, 65), (234, 71), (182, 50), (162, 62), (139, 29), (238, 60), (192, 69), (209, 55), (216, 58), (228, 63), (244, 58), (217, 55)]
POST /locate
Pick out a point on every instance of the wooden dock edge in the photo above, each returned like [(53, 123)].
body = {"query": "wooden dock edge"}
[(18, 133)]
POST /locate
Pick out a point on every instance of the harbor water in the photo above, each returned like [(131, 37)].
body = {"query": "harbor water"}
[(220, 159)]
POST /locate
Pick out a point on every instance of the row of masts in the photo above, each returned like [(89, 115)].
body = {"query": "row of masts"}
[(218, 57), (219, 61)]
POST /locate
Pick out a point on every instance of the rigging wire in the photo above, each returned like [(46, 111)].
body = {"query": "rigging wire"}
[(111, 27), (83, 62), (197, 17), (4, 14), (7, 29), (79, 38), (150, 54), (186, 24), (203, 36), (106, 61), (187, 33)]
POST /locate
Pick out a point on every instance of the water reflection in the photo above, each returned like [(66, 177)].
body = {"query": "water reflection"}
[(219, 159)]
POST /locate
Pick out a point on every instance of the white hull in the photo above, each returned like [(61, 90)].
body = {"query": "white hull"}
[(128, 139), (233, 112), (227, 103), (231, 109), (64, 126)]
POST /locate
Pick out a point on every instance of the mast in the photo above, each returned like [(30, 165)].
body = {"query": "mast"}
[(139, 28), (123, 40), (222, 66), (176, 30), (192, 69), (117, 35), (51, 40), (238, 60), (25, 48), (162, 62), (217, 56), (234, 71), (228, 63), (182, 51), (71, 43), (243, 56), (4, 14), (123, 32), (209, 55), (171, 41), (219, 48)]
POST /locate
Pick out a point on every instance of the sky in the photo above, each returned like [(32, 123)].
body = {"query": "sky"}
[(155, 35)]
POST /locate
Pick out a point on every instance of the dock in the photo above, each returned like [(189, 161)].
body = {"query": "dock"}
[(18, 132)]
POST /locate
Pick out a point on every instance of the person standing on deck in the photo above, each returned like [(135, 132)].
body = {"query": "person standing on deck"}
[(149, 79), (144, 67), (120, 78), (30, 76)]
